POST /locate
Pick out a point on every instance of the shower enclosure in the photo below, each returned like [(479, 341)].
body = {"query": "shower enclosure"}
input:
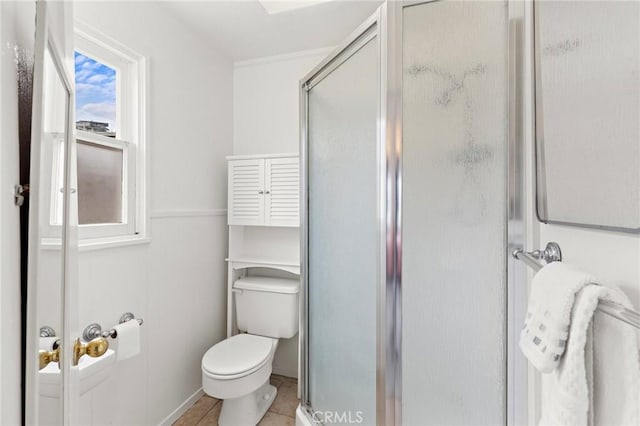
[(410, 207)]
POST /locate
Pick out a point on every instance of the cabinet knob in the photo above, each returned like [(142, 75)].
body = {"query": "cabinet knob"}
[(261, 192), (267, 192)]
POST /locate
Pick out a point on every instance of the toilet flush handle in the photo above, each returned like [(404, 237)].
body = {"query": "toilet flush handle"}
[(237, 290)]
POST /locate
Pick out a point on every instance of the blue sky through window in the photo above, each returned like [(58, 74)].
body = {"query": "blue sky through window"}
[(95, 91)]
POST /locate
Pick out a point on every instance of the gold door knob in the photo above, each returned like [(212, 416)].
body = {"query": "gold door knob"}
[(95, 348), (49, 356)]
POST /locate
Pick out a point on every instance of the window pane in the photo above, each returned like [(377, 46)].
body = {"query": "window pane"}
[(99, 184), (95, 96)]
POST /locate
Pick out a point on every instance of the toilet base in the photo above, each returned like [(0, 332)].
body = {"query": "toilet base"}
[(248, 409)]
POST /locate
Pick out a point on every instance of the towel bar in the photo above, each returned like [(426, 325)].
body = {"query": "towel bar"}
[(552, 253)]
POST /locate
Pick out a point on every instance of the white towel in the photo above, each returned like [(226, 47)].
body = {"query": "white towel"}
[(598, 379), (553, 290)]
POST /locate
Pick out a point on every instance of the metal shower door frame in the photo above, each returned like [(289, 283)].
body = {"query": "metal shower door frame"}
[(387, 25), (373, 27)]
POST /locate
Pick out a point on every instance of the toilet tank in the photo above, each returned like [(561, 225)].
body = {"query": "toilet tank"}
[(267, 306)]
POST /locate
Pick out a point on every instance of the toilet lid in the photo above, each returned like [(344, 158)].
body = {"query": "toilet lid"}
[(238, 354)]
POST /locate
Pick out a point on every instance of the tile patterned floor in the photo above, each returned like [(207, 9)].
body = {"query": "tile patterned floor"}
[(282, 412)]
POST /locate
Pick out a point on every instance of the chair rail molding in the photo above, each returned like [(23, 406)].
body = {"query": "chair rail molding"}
[(174, 213)]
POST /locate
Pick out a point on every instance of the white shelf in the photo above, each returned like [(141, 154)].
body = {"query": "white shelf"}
[(288, 265)]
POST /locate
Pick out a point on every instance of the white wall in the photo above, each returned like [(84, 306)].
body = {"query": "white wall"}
[(614, 257), (266, 121), (265, 102), (16, 26), (177, 283)]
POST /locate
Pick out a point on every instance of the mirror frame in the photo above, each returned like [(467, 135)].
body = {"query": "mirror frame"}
[(45, 41)]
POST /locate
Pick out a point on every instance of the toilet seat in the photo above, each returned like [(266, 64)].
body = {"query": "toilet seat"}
[(238, 356)]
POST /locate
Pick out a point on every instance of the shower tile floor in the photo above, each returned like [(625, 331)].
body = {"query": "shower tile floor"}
[(281, 413)]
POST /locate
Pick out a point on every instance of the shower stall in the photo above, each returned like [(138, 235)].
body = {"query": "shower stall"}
[(410, 206)]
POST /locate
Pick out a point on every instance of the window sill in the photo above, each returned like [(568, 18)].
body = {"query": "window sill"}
[(92, 244)]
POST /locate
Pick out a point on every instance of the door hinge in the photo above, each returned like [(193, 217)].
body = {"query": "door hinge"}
[(19, 192)]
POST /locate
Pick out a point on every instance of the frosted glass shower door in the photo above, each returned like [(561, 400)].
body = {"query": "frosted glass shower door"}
[(343, 239), (454, 166)]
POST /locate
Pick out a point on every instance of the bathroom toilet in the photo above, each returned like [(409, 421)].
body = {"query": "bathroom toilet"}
[(237, 370)]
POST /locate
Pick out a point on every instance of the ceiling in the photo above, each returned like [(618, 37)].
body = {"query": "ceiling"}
[(242, 29)]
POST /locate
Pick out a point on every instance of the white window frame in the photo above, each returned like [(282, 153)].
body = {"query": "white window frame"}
[(131, 119), (131, 131)]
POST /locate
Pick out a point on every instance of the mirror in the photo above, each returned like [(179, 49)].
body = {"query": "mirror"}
[(587, 110), (50, 287)]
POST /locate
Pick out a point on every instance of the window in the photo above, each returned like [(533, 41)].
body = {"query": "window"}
[(109, 116)]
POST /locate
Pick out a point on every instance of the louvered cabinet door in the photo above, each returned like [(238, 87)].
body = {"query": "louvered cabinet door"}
[(246, 192), (282, 191)]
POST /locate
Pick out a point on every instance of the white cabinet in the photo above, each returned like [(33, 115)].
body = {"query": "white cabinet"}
[(264, 191)]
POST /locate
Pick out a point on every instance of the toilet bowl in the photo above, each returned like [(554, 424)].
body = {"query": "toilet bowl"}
[(237, 370)]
